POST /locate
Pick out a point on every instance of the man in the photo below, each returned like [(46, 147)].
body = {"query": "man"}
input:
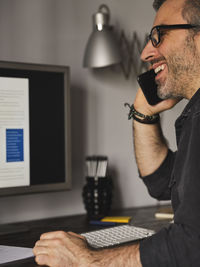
[(174, 54)]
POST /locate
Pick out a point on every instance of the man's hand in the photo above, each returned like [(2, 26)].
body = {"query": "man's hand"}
[(60, 249), (142, 105)]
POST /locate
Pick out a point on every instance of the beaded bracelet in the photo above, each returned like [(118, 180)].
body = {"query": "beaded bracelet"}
[(146, 119)]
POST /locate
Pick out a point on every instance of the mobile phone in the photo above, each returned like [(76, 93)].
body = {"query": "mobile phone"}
[(148, 85)]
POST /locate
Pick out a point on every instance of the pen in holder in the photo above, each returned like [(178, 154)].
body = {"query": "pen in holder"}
[(97, 192)]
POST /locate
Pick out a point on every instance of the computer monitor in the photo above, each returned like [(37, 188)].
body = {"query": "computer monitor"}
[(35, 153)]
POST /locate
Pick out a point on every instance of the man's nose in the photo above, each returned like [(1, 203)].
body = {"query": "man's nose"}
[(148, 52)]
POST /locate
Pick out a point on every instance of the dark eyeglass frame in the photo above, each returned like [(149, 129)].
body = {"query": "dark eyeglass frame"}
[(155, 43)]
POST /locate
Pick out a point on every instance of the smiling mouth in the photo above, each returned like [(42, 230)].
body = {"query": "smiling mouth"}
[(159, 69)]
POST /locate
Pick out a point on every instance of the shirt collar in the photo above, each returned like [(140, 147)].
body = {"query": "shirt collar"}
[(187, 110), (191, 103)]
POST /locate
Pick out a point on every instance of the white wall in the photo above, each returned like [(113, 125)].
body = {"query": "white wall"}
[(56, 32)]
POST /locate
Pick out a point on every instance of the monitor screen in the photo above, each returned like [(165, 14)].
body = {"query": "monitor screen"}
[(34, 128)]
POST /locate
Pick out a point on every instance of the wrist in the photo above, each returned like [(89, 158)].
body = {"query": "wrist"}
[(144, 110), (137, 255), (95, 259), (140, 117)]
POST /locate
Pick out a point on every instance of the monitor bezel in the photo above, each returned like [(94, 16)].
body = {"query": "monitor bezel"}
[(55, 187)]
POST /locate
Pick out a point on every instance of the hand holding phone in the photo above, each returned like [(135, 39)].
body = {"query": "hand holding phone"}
[(148, 85)]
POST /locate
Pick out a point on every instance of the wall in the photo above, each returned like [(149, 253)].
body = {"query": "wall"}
[(56, 32)]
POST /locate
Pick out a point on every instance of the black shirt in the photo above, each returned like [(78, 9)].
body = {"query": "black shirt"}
[(178, 179)]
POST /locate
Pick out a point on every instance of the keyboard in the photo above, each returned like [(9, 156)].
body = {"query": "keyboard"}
[(116, 236)]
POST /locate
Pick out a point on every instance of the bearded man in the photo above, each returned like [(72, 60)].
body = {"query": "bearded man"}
[(173, 50)]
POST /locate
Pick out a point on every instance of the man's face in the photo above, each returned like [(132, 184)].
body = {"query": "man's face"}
[(176, 59)]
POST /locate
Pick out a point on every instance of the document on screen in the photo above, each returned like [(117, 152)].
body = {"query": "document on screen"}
[(14, 132)]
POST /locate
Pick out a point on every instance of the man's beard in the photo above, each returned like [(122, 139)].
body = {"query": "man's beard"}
[(183, 67)]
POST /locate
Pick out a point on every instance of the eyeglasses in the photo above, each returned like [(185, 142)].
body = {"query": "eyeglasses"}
[(157, 31)]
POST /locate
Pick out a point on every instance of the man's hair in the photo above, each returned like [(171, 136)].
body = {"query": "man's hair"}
[(157, 4), (190, 12)]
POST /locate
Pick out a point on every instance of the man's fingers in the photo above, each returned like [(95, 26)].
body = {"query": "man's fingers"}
[(41, 247), (76, 235), (142, 105), (60, 235), (42, 259), (54, 235), (50, 243), (59, 249)]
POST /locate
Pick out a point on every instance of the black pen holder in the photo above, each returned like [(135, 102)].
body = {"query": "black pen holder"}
[(97, 196)]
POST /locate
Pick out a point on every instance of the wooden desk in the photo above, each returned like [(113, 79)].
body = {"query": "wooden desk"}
[(25, 234)]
